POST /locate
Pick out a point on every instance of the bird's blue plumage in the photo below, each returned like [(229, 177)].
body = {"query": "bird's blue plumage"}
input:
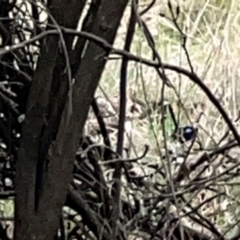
[(189, 133), (185, 134)]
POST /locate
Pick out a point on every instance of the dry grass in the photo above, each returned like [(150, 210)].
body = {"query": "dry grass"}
[(212, 28)]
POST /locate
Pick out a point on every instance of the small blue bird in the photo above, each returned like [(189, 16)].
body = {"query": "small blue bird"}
[(182, 135), (185, 134)]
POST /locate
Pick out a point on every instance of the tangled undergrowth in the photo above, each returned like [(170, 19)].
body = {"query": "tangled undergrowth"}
[(163, 198), (170, 186), (201, 191)]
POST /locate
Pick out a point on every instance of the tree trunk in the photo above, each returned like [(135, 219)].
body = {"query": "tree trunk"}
[(49, 140)]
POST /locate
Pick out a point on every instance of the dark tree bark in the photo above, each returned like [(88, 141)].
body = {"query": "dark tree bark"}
[(50, 134)]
